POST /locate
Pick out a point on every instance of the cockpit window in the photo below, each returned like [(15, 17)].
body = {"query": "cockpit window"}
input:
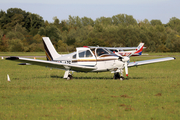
[(101, 51)]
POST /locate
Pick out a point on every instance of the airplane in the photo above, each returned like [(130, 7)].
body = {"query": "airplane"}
[(124, 51), (86, 59)]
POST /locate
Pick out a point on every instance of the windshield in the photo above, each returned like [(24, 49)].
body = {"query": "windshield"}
[(102, 51), (110, 52)]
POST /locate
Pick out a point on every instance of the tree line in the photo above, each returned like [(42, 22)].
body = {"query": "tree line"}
[(22, 31)]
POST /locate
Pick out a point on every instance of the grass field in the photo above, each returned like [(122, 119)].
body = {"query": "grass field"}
[(152, 92)]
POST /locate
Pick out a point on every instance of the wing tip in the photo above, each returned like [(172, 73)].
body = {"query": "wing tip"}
[(12, 58), (174, 58)]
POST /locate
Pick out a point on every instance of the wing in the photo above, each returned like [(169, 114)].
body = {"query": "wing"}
[(119, 48), (53, 64), (124, 48), (144, 62)]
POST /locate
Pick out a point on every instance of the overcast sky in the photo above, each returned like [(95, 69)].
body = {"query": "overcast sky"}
[(140, 9)]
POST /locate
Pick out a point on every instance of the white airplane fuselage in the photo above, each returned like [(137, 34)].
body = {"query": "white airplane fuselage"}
[(103, 62)]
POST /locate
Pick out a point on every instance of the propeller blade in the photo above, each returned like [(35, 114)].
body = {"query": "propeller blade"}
[(125, 59), (126, 68), (118, 54)]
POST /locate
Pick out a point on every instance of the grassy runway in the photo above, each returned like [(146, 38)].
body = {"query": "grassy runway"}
[(152, 92)]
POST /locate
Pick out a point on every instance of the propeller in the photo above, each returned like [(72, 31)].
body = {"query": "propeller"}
[(125, 59)]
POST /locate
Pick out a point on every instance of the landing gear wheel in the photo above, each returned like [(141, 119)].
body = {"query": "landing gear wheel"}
[(121, 78), (69, 77), (116, 76)]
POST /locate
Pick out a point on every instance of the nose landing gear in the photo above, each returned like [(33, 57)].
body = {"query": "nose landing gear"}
[(117, 76)]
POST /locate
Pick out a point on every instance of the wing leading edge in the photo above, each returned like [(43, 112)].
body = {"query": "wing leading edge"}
[(144, 62), (53, 64)]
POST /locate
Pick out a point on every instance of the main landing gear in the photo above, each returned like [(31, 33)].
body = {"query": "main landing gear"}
[(68, 75)]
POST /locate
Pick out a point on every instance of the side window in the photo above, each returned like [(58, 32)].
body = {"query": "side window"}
[(88, 53), (84, 54), (74, 56), (81, 54)]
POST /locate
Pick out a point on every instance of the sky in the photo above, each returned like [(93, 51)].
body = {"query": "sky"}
[(140, 9)]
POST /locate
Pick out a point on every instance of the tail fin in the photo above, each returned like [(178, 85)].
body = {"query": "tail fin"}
[(139, 48), (50, 51)]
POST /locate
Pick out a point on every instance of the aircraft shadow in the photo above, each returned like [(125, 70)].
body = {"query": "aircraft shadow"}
[(56, 76), (101, 78)]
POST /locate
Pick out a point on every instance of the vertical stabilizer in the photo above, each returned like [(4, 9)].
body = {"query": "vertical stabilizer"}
[(50, 51), (140, 48)]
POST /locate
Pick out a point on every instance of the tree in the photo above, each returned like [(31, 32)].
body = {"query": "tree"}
[(124, 19), (94, 42), (42, 31), (1, 33), (87, 21), (104, 21), (52, 32), (74, 21), (19, 28), (71, 37), (62, 46), (33, 21), (174, 23), (56, 22), (3, 19), (4, 46), (37, 39), (156, 22), (63, 26), (16, 45), (14, 16), (12, 11), (11, 35), (144, 24)]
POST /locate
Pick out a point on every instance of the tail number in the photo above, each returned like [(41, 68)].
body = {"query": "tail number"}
[(66, 62)]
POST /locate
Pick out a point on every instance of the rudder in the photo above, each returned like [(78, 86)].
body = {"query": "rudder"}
[(50, 51)]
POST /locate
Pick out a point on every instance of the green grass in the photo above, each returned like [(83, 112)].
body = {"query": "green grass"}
[(151, 92)]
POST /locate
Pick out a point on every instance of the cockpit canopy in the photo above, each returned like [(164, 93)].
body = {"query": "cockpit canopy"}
[(91, 52)]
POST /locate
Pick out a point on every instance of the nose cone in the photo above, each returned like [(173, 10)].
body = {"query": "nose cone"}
[(118, 64), (125, 59)]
